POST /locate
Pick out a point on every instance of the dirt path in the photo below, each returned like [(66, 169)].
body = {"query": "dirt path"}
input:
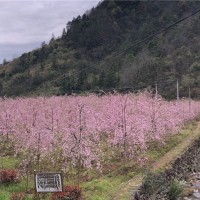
[(128, 188)]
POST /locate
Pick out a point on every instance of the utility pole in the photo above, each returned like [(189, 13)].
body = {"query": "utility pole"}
[(156, 87), (189, 100), (177, 90)]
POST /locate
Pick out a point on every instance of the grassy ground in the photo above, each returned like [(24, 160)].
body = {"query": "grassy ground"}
[(123, 177)]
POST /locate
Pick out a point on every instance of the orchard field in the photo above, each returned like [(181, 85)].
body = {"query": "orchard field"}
[(87, 136)]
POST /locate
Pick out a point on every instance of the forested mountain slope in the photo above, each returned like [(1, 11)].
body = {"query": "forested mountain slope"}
[(86, 58)]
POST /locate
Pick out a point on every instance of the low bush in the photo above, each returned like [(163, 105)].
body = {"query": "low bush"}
[(69, 193), (8, 176), (176, 189)]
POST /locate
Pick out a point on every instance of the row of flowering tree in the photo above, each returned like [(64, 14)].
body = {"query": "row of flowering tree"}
[(74, 130)]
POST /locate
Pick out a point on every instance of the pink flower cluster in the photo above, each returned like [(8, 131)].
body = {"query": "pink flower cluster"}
[(76, 123)]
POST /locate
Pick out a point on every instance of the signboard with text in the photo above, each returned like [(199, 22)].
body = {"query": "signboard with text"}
[(48, 182)]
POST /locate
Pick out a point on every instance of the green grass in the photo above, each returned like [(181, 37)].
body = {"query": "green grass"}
[(101, 189), (8, 162), (157, 150), (4, 195)]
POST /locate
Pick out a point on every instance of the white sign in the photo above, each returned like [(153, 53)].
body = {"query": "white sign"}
[(48, 182)]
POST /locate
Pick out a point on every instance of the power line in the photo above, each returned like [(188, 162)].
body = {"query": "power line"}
[(142, 41), (135, 45), (155, 34)]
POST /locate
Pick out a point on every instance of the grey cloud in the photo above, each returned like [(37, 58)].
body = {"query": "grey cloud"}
[(23, 24), (12, 51)]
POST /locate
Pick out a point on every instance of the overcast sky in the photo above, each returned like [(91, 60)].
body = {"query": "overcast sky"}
[(25, 24)]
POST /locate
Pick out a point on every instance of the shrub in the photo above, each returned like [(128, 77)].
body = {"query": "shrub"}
[(176, 189), (8, 176), (153, 184), (17, 196), (69, 193)]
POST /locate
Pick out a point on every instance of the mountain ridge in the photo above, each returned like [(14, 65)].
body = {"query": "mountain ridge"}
[(82, 59)]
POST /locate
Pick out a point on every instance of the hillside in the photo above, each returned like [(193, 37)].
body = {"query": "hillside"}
[(85, 58)]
